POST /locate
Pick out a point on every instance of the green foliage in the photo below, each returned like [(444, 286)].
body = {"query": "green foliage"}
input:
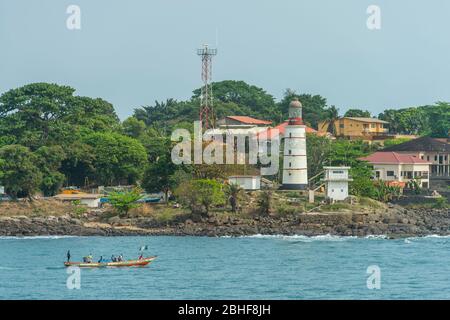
[(393, 142), (19, 172), (49, 160), (265, 202), (441, 203), (357, 113), (386, 193), (160, 174), (41, 113), (200, 195), (123, 202), (362, 184), (414, 185), (318, 150), (117, 158), (234, 193), (431, 120)]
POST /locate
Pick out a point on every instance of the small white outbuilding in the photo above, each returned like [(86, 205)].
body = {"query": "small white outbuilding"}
[(336, 183), (246, 182)]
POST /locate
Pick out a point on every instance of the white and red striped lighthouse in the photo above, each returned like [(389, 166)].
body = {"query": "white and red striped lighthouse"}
[(295, 170)]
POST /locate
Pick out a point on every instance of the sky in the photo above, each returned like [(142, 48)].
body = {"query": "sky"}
[(132, 53)]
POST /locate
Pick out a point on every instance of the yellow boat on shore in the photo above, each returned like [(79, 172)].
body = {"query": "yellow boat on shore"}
[(128, 263)]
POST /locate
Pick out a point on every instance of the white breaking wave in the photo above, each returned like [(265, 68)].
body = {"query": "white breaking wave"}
[(35, 237), (326, 237)]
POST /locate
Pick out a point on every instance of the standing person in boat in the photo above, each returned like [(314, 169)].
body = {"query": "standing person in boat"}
[(68, 256), (113, 258), (101, 259)]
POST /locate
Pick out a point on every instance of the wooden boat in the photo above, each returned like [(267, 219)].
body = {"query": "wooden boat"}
[(127, 263)]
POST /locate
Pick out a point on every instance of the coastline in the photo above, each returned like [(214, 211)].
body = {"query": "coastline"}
[(397, 222)]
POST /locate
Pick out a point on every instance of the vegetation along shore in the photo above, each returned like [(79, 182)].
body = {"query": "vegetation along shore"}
[(58, 150)]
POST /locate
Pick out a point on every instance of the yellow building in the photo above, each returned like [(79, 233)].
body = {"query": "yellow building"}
[(358, 128)]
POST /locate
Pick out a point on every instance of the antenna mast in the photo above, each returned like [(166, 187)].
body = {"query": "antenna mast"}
[(206, 97)]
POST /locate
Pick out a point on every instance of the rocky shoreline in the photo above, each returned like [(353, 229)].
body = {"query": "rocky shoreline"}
[(394, 223)]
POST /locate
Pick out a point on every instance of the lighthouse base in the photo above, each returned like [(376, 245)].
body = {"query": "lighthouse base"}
[(294, 186)]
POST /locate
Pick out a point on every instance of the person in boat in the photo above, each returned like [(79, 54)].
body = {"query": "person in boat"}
[(120, 258), (113, 258), (88, 259), (101, 259), (68, 256), (141, 257)]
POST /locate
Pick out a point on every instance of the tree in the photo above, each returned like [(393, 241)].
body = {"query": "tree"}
[(123, 202), (357, 113), (200, 195), (49, 161), (240, 96), (318, 150), (333, 117), (159, 176), (19, 171), (117, 158), (234, 192), (439, 116), (265, 202), (38, 114), (134, 128)]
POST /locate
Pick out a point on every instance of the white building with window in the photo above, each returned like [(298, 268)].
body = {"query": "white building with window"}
[(336, 183), (399, 169)]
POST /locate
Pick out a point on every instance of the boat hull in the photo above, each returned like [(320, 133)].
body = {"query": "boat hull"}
[(128, 263)]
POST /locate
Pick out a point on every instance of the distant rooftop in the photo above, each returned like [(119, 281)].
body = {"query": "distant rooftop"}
[(249, 120), (382, 157), (425, 144), (362, 119)]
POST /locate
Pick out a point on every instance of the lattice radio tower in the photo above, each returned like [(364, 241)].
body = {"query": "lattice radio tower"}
[(206, 98)]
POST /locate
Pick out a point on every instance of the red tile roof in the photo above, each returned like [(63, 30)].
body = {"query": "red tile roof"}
[(393, 158), (270, 133), (249, 120)]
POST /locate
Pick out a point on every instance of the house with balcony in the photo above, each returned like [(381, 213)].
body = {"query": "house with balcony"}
[(355, 128), (398, 169), (433, 150)]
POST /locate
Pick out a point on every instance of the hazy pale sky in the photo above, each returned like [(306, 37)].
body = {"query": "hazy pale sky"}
[(134, 52)]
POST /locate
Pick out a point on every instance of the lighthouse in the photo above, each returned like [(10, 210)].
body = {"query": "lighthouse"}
[(295, 170)]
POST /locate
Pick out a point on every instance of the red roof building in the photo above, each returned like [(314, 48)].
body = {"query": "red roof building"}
[(399, 168)]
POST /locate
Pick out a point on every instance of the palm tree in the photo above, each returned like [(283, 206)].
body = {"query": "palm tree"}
[(233, 192), (333, 117)]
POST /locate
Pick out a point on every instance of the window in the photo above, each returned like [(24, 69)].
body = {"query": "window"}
[(338, 172), (290, 164), (435, 158), (390, 173), (377, 174), (373, 125), (421, 157), (290, 151), (341, 126), (290, 134), (428, 158)]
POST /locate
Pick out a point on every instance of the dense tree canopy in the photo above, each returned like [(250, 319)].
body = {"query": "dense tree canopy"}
[(41, 113), (357, 113), (50, 137)]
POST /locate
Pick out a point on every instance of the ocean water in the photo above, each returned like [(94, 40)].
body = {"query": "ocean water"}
[(258, 267)]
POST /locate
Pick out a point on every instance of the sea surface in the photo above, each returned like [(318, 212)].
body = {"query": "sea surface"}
[(258, 267)]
